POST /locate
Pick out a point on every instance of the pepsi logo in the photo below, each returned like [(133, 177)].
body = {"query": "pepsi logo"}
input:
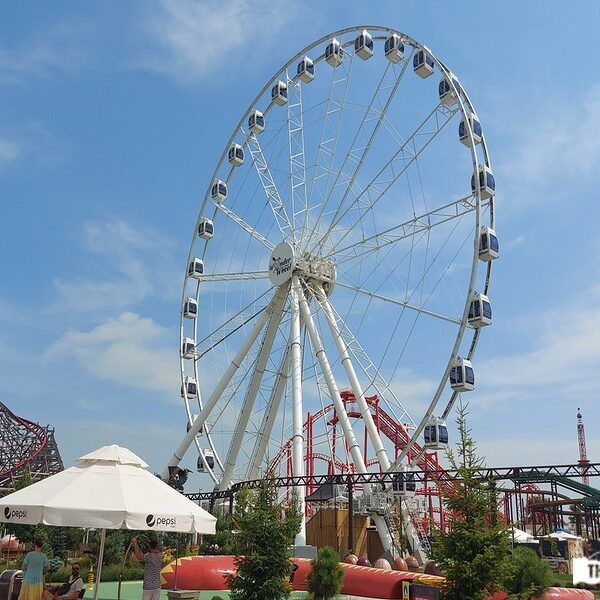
[(14, 513), (168, 522)]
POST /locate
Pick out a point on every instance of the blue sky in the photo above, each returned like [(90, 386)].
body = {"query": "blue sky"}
[(112, 117)]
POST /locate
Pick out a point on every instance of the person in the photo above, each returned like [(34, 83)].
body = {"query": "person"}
[(153, 562), (69, 590), (35, 564)]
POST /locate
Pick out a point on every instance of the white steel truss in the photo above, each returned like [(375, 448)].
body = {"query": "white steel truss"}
[(298, 191), (270, 188), (237, 219)]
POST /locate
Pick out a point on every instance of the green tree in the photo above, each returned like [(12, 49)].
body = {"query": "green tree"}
[(326, 578), (475, 555), (531, 575), (27, 534), (222, 542), (114, 548), (266, 530), (178, 542), (59, 540)]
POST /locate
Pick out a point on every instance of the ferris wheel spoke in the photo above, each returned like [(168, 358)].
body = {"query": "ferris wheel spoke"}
[(242, 275), (359, 149), (394, 168), (245, 226), (219, 334), (408, 229), (253, 387), (270, 188), (377, 296)]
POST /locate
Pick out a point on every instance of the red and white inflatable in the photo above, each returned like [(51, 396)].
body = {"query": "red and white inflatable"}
[(209, 573)]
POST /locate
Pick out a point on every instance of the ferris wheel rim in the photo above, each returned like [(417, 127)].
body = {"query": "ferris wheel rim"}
[(465, 106)]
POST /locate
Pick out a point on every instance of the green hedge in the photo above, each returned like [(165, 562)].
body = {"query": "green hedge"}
[(109, 573)]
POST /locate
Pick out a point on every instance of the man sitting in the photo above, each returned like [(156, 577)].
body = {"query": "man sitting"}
[(69, 590)]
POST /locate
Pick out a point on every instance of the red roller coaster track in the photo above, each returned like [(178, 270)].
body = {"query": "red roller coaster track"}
[(389, 428), (25, 446)]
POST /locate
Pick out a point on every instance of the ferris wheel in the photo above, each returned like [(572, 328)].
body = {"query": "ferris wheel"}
[(345, 242)]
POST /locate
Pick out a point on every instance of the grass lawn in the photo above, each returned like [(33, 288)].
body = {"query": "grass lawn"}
[(564, 579), (132, 590)]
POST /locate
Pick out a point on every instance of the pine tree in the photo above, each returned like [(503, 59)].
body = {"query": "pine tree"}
[(266, 530), (475, 555), (326, 578)]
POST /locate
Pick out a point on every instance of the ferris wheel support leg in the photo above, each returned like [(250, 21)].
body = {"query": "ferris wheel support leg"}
[(353, 445), (268, 421), (214, 398), (297, 415), (359, 395), (256, 380)]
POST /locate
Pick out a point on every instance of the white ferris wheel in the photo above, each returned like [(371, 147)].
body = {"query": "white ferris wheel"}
[(345, 241)]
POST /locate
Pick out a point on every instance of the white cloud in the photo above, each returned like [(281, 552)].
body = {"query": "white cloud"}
[(197, 37), (414, 392), (129, 350), (505, 451), (564, 360), (558, 142), (126, 266), (55, 48), (9, 151)]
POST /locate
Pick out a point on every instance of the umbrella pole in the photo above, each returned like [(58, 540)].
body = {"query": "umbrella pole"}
[(100, 558), (176, 557)]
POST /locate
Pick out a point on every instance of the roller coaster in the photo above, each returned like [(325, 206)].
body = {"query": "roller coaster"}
[(25, 446)]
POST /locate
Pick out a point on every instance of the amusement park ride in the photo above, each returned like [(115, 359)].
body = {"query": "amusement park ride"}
[(25, 446), (346, 238)]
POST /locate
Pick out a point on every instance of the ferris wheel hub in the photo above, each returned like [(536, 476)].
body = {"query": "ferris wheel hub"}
[(282, 263), (318, 271)]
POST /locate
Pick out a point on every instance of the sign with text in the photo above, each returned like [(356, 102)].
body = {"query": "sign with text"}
[(586, 570)]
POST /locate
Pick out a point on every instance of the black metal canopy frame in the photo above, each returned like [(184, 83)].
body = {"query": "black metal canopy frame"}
[(537, 474)]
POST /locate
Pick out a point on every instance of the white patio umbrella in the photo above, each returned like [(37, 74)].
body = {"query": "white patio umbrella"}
[(522, 537), (109, 488), (561, 534)]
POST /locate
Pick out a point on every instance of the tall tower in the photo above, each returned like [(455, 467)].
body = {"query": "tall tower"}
[(583, 459)]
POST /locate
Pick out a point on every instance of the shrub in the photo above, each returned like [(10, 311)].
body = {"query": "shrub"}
[(130, 573), (531, 575), (326, 578), (222, 542), (60, 575), (56, 563), (266, 529)]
